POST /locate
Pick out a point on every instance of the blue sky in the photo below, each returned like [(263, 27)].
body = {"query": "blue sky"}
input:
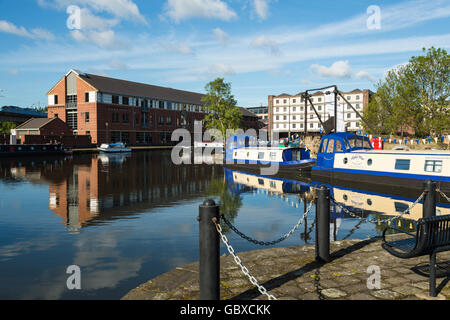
[(262, 47)]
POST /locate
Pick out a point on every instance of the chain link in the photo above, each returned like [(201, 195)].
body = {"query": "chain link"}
[(238, 261), (443, 194), (268, 243), (354, 215)]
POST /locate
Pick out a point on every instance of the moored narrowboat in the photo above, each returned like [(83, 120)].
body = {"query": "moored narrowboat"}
[(250, 156), (19, 150), (347, 156)]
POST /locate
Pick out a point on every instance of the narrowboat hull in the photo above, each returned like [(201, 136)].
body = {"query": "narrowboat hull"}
[(31, 150), (380, 179), (293, 170)]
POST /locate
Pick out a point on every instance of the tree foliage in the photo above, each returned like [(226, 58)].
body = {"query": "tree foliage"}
[(414, 95), (5, 126), (225, 114)]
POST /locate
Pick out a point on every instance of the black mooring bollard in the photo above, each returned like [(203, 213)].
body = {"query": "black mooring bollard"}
[(323, 225), (209, 251), (429, 201)]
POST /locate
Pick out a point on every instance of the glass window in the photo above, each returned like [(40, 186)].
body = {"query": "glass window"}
[(338, 146), (330, 147), (260, 155), (433, 166), (273, 155), (322, 147), (402, 164)]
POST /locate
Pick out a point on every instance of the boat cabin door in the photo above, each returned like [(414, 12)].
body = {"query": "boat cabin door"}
[(328, 148)]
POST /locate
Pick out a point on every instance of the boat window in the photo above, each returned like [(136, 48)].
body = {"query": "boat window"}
[(401, 207), (338, 146), (261, 182), (402, 164), (273, 155), (433, 166), (367, 144), (323, 146), (330, 146), (261, 155)]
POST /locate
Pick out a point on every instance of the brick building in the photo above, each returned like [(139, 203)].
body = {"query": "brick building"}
[(43, 127), (111, 110)]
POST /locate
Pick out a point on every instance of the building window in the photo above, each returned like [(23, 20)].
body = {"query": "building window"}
[(126, 101), (86, 97), (402, 164), (169, 120), (284, 101), (115, 99), (56, 99), (294, 101), (55, 115), (125, 118), (277, 102), (115, 117), (277, 118), (161, 120), (433, 166), (86, 117), (357, 97)]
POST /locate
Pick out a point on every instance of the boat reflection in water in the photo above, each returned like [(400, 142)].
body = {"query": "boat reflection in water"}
[(375, 206)]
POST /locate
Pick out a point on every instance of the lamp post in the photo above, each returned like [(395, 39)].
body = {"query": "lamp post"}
[(107, 124)]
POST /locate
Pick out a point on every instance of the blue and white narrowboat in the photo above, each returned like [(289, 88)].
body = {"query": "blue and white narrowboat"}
[(346, 156), (245, 153)]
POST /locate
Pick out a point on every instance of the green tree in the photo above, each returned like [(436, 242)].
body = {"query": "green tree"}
[(414, 95), (5, 126), (225, 114)]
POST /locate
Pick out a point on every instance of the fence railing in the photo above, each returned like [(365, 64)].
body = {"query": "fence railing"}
[(210, 235)]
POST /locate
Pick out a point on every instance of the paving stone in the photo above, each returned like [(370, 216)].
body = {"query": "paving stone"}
[(293, 274), (385, 294), (333, 293)]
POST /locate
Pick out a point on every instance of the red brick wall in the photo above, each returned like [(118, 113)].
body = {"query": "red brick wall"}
[(60, 90), (56, 127), (58, 139)]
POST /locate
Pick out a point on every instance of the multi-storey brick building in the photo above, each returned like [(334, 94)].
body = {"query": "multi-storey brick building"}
[(287, 112), (111, 110)]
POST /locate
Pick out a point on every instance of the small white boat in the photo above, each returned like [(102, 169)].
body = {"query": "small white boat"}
[(113, 148)]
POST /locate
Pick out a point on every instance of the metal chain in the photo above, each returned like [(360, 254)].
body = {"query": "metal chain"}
[(443, 194), (268, 243), (352, 214), (238, 261)]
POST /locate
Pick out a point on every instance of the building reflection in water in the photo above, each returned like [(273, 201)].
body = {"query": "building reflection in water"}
[(91, 189)]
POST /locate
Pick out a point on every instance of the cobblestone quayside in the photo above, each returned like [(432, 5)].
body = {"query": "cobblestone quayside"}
[(292, 273)]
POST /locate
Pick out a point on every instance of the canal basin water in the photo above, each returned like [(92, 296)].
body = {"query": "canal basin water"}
[(124, 219)]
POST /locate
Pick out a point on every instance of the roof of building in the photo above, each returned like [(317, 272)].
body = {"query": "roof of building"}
[(247, 113), (124, 87), (23, 111), (34, 123)]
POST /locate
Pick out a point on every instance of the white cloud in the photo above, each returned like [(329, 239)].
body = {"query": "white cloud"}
[(264, 42), (221, 35), (261, 8), (123, 9), (339, 69), (222, 69), (91, 21), (37, 33), (179, 10), (180, 48), (365, 75), (103, 39), (118, 65)]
